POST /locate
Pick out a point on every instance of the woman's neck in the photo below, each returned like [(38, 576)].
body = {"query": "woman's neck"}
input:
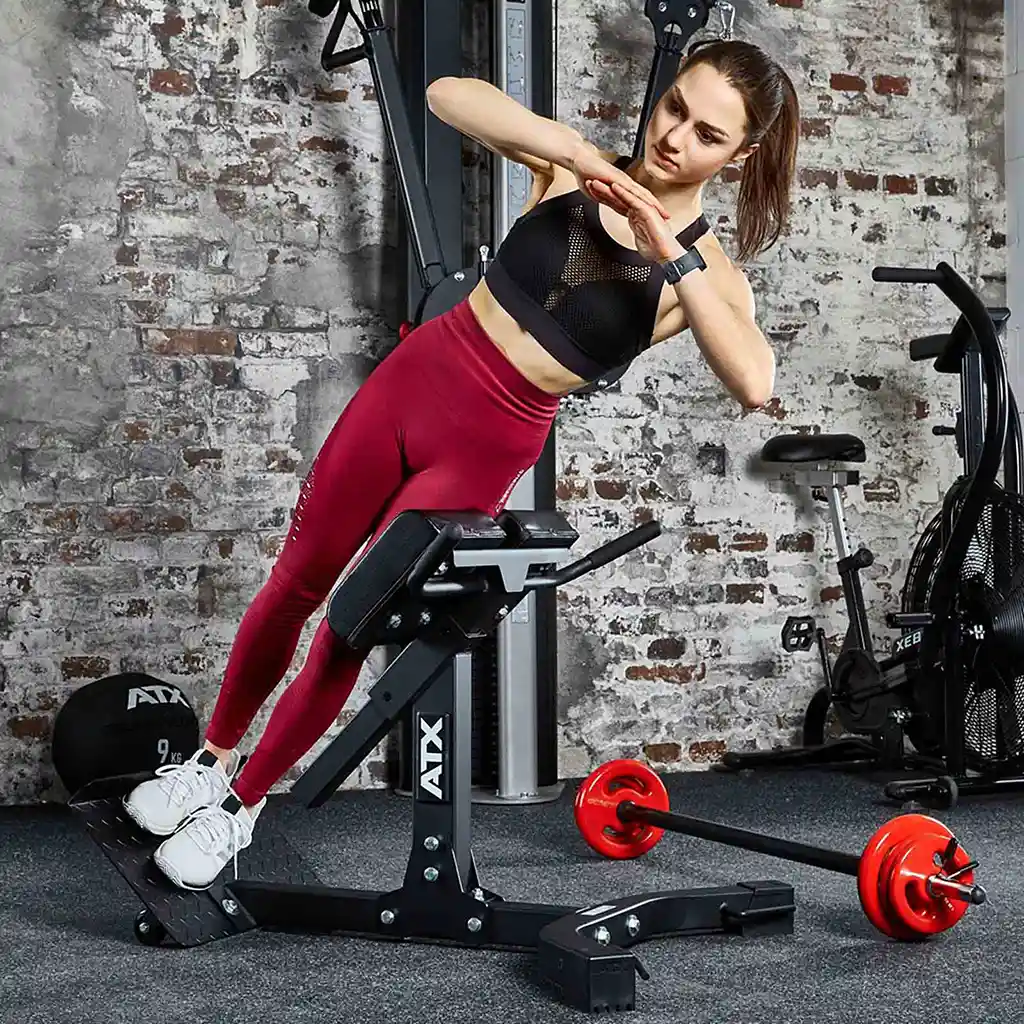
[(683, 202)]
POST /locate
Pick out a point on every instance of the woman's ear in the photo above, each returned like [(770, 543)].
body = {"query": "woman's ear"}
[(743, 154)]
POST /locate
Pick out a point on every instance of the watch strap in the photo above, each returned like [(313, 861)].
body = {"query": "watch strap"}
[(675, 270)]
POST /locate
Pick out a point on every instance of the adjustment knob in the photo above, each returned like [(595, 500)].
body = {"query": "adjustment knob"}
[(863, 559)]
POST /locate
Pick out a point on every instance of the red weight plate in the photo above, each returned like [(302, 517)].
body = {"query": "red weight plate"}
[(891, 878), (869, 871), (905, 882), (597, 802)]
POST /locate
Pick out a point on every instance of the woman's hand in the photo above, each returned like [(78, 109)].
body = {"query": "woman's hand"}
[(592, 171), (654, 238)]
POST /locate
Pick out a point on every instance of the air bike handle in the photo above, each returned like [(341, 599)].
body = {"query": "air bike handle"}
[(907, 275)]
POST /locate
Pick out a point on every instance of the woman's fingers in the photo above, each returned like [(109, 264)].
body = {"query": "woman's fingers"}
[(641, 193), (605, 194)]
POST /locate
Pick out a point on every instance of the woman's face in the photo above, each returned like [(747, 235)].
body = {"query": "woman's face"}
[(696, 129)]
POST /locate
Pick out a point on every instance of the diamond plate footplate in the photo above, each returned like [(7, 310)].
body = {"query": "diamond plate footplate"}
[(189, 918)]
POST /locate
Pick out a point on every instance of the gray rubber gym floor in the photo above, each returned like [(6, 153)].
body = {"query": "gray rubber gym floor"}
[(68, 953)]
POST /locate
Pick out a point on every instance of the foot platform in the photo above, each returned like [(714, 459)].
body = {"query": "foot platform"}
[(183, 917)]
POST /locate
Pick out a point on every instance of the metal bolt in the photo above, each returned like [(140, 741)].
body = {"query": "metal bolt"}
[(387, 917), (230, 907), (603, 936), (394, 621), (632, 924), (503, 610), (430, 874), (691, 12), (431, 843), (662, 7), (424, 617), (459, 275), (144, 927), (474, 924), (478, 894)]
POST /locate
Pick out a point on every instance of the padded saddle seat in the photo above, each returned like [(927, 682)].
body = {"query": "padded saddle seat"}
[(813, 448)]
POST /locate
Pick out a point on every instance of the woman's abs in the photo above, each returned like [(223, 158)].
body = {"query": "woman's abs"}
[(520, 348)]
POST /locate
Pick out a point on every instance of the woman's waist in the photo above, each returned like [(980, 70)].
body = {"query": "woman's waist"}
[(454, 356), (520, 347)]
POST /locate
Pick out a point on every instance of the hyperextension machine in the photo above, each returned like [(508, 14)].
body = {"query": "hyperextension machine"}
[(435, 583)]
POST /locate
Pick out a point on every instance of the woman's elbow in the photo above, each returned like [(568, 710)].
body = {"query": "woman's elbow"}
[(760, 388), (755, 400), (436, 89), (758, 393)]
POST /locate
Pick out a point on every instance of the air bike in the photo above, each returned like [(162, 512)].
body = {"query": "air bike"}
[(946, 701)]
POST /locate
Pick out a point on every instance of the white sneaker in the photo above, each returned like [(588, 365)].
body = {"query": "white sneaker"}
[(194, 856), (161, 805)]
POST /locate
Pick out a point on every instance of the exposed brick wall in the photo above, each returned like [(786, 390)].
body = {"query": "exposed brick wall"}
[(196, 277), (675, 656), (196, 273)]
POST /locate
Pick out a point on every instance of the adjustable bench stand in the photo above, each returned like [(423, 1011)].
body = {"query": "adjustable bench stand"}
[(436, 582)]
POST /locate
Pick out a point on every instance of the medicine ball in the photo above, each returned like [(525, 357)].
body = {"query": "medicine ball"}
[(121, 725)]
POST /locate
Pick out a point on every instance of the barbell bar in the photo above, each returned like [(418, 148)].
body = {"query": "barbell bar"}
[(913, 878)]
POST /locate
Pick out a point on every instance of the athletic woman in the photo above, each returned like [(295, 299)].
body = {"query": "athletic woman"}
[(610, 257)]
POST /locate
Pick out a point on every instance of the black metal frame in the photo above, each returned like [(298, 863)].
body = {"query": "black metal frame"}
[(436, 582), (426, 45), (582, 952)]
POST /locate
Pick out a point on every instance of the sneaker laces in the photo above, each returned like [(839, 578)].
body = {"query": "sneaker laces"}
[(187, 776), (206, 830)]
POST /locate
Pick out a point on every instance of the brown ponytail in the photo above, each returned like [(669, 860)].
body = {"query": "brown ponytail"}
[(773, 123)]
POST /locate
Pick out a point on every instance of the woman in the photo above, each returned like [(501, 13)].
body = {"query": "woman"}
[(610, 257)]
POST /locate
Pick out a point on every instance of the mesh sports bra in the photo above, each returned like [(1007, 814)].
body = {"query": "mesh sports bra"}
[(590, 301)]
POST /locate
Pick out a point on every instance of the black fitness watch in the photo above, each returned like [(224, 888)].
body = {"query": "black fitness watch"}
[(677, 269)]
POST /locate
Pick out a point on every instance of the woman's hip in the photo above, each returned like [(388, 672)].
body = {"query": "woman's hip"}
[(453, 361)]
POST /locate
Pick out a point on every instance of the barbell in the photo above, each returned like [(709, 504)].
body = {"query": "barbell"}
[(914, 879)]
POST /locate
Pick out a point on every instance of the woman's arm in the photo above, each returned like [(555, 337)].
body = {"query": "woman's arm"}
[(483, 112), (719, 308)]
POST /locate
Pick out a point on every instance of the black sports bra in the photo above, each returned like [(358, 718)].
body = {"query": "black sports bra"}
[(589, 300)]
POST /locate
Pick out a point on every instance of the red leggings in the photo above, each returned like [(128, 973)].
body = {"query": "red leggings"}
[(444, 422)]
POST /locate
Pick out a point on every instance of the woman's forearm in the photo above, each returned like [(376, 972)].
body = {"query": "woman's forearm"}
[(482, 111), (732, 345)]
